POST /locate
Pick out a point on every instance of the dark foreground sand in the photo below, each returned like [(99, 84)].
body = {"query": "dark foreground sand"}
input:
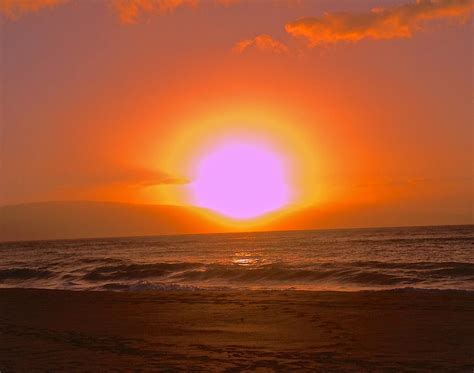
[(236, 331)]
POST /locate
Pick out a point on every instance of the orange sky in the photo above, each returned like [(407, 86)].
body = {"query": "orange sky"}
[(370, 101)]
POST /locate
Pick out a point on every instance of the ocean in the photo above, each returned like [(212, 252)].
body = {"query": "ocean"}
[(440, 257)]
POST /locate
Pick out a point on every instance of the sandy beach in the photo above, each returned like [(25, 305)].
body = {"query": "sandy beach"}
[(401, 330)]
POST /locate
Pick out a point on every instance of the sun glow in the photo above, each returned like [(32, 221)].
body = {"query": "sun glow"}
[(241, 180), (246, 164)]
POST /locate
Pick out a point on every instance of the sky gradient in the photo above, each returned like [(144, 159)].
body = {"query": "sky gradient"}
[(370, 102)]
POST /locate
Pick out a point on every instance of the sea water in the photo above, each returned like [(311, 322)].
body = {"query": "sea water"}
[(340, 260)]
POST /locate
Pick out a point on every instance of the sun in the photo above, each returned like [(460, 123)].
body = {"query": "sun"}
[(241, 180)]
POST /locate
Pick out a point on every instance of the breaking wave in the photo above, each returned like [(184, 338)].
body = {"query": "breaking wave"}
[(377, 259), (191, 276), (354, 273)]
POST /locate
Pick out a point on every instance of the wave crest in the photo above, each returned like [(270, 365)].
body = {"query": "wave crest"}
[(369, 273)]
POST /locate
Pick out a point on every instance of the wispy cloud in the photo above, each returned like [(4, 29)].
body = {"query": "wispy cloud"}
[(379, 23), (263, 43), (14, 9), (128, 11), (126, 176)]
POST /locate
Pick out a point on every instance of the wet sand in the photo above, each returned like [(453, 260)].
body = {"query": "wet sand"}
[(236, 331)]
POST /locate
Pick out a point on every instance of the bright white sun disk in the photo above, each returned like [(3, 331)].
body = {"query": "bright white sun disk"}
[(241, 180)]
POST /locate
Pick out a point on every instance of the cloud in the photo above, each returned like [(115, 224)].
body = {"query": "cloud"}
[(128, 11), (107, 175), (14, 9), (379, 24), (151, 178), (125, 176), (263, 43)]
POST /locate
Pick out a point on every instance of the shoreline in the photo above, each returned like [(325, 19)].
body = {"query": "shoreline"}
[(191, 289), (236, 330)]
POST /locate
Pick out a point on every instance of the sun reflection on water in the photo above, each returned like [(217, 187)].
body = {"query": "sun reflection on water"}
[(244, 258)]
